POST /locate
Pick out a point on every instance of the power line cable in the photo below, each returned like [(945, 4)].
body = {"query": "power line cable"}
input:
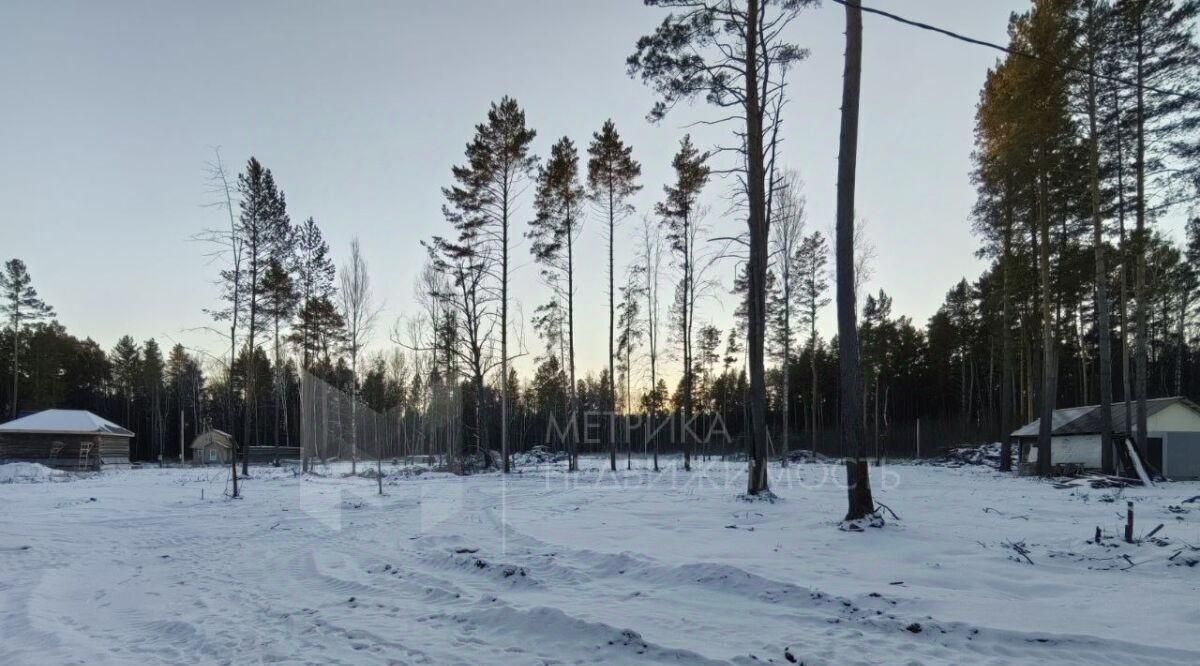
[(1011, 51)]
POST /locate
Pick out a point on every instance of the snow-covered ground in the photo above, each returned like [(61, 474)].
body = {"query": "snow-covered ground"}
[(136, 566)]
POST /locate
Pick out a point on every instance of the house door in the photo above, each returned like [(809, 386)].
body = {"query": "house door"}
[(1154, 453), (212, 455)]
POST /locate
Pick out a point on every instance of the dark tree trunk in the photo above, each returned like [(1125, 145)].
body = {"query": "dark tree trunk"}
[(612, 377), (1006, 342), (757, 291), (858, 482), (1102, 318), (813, 399), (505, 468), (1139, 246), (1049, 362)]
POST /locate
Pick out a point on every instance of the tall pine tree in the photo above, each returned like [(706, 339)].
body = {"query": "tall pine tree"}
[(612, 181)]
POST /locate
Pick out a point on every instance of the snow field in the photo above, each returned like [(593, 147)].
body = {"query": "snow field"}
[(633, 567)]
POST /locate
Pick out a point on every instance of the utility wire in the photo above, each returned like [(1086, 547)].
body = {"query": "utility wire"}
[(979, 42)]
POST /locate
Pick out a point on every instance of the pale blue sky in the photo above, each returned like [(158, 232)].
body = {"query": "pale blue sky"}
[(110, 110)]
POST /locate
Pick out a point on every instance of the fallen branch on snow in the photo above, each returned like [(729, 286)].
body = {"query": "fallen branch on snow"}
[(1019, 548), (879, 505)]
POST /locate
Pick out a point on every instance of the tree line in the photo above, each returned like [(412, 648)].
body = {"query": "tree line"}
[(1085, 135)]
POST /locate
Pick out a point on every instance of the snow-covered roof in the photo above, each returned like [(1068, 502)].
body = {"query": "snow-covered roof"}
[(213, 436), (1086, 420), (65, 422)]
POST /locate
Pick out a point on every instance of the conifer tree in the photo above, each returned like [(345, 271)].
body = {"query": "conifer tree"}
[(126, 360), (185, 383), (151, 387), (20, 306), (812, 278), (559, 211), (314, 280), (733, 53), (481, 205), (629, 336), (264, 229), (612, 181), (279, 303), (680, 214), (1158, 47)]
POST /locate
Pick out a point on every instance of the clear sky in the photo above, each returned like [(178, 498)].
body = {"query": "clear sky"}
[(110, 110)]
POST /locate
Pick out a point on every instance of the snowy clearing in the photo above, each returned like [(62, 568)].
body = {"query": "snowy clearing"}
[(134, 567)]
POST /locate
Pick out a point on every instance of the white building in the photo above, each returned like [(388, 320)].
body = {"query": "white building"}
[(1172, 436)]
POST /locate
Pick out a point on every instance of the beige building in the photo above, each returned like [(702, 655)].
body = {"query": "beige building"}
[(1172, 436), (212, 447)]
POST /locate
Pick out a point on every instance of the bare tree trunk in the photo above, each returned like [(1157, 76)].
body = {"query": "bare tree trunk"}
[(1102, 315), (573, 463), (1006, 370), (652, 258), (1049, 362), (816, 402), (757, 284), (686, 332), (612, 377), (1126, 392), (353, 414), (787, 385), (1180, 348), (628, 406), (858, 481), (16, 323), (505, 468), (1139, 246)]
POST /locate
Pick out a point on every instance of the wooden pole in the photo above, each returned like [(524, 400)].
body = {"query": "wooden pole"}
[(1129, 522), (233, 465)]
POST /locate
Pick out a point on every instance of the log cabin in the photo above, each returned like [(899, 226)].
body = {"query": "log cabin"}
[(72, 439)]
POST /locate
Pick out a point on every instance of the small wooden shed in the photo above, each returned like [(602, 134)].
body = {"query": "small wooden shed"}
[(212, 447), (65, 438)]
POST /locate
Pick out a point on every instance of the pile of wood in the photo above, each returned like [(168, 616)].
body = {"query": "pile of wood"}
[(985, 455), (1099, 482), (801, 456)]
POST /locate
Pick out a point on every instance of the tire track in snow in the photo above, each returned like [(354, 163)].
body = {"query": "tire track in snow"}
[(873, 621)]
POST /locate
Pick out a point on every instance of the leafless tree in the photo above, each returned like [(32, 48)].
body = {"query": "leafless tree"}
[(227, 249), (360, 311), (787, 233), (650, 255)]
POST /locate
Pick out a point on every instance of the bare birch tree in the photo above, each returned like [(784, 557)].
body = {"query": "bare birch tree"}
[(360, 311), (787, 234), (650, 254), (227, 244)]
